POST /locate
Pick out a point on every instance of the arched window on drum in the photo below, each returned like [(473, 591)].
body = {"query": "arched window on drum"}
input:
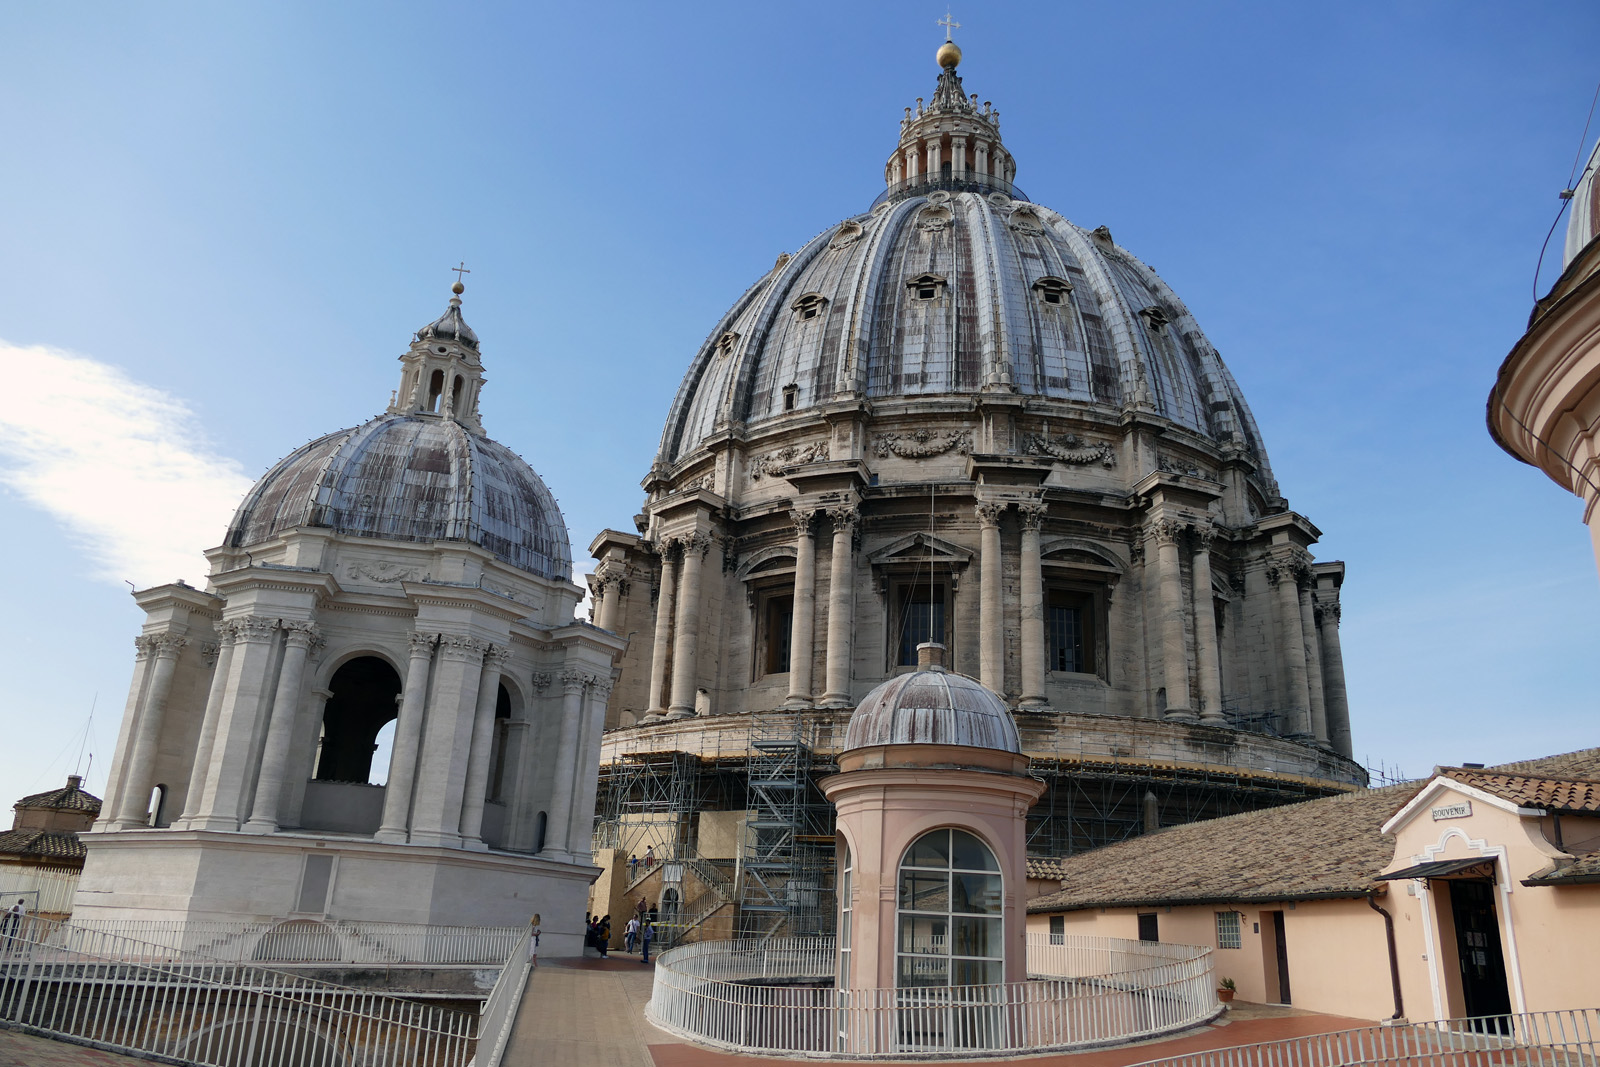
[(950, 924)]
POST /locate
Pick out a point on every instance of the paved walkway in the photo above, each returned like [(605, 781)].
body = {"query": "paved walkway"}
[(590, 1013), (25, 1050)]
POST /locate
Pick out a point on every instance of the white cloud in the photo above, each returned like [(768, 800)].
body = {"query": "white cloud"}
[(123, 466)]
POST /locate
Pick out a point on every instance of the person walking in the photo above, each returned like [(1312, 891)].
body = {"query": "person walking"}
[(633, 867), (533, 942), (649, 857), (603, 938), (14, 917), (646, 935), (630, 934)]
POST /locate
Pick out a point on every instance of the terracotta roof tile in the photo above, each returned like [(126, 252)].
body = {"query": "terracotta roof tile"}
[(67, 798), (1317, 848), (50, 844), (1585, 869), (1046, 867), (1562, 795)]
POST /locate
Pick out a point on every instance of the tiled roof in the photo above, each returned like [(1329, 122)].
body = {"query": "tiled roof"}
[(67, 798), (1585, 869), (1047, 867), (49, 844), (1318, 848), (1560, 795)]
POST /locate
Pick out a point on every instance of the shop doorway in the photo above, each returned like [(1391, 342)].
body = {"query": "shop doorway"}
[(1484, 990)]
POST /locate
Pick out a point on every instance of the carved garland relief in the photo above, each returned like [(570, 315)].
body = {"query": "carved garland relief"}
[(785, 457), (1070, 448), (921, 444)]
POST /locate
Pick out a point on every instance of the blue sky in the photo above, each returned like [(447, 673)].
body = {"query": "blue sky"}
[(221, 223)]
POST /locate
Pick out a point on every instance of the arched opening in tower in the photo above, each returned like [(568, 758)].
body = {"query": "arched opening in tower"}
[(363, 703)]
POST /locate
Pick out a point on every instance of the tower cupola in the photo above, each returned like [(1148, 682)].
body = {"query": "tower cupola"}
[(442, 372), (951, 143)]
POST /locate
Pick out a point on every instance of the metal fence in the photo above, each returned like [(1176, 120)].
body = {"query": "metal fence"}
[(111, 991), (1539, 1039), (316, 941), (778, 996), (500, 1010), (46, 890)]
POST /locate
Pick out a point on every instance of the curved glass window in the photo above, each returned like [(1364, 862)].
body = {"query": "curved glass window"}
[(949, 913), (845, 916)]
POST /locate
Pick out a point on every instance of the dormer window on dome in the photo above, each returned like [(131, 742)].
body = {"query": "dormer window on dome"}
[(810, 306), (926, 286), (1052, 290), (1155, 317)]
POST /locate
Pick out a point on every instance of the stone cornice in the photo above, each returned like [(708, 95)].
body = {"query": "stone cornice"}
[(495, 605), (277, 579)]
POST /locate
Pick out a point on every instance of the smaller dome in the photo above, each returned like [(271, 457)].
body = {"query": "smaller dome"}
[(933, 706), (449, 327)]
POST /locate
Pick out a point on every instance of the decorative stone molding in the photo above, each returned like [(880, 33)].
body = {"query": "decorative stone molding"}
[(462, 648), (209, 653), (541, 680), (920, 444), (989, 511), (1032, 514), (848, 235), (1070, 448), (1177, 465), (788, 456), (385, 572)]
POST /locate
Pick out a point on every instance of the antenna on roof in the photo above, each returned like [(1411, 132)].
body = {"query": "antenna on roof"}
[(86, 727)]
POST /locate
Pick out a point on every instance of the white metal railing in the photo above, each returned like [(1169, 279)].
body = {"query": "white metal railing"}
[(45, 890), (316, 941), (1539, 1039), (778, 997), (500, 1010), (110, 990)]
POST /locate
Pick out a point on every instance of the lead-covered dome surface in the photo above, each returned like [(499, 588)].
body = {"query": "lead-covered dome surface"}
[(932, 706), (412, 477), (958, 292)]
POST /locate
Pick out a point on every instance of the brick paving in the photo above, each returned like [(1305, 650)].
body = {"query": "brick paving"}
[(590, 1013)]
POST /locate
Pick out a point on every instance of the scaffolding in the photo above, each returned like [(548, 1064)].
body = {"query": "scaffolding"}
[(786, 863)]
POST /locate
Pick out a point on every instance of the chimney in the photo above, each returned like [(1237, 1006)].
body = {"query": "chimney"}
[(930, 656), (74, 781)]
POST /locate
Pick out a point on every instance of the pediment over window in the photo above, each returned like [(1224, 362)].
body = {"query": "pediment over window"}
[(776, 559), (919, 548), (1076, 551), (809, 306)]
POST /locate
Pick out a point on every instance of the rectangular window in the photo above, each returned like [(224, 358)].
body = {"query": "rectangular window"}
[(778, 626), (1149, 928), (921, 619), (1058, 929), (1069, 632), (315, 879), (1228, 929)]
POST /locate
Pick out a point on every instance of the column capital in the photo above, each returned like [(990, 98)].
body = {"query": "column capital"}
[(1167, 531), (576, 681), (462, 648), (497, 657), (802, 519), (227, 631), (1032, 513), (302, 635), (1203, 537), (1328, 612), (165, 644), (989, 511), (422, 643), (255, 628)]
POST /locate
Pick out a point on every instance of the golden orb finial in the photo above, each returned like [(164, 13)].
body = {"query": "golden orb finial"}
[(949, 55), (458, 288)]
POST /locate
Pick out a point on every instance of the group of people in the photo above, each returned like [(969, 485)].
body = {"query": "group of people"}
[(634, 862), (638, 934)]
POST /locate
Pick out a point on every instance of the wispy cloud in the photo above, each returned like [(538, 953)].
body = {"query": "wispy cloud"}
[(121, 465)]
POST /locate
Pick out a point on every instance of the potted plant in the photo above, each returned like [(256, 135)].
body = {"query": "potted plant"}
[(1226, 989)]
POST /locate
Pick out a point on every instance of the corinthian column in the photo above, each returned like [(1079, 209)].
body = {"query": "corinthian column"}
[(1335, 697), (407, 742), (233, 749), (805, 609), (560, 820), (1033, 664), (1291, 644), (1174, 654), (613, 587), (841, 605), (580, 827), (1308, 633), (1205, 632), (299, 638), (991, 621), (147, 734), (663, 637), (494, 664), (227, 634), (447, 742), (686, 649)]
